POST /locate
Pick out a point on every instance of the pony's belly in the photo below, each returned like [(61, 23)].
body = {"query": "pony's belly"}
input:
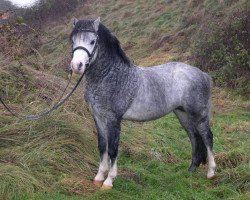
[(144, 114)]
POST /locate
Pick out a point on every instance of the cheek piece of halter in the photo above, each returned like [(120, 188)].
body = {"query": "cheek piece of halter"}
[(90, 55)]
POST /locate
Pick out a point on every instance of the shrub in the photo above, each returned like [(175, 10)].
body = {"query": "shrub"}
[(46, 10), (223, 47)]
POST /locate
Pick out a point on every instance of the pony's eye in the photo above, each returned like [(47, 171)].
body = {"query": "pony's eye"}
[(92, 42)]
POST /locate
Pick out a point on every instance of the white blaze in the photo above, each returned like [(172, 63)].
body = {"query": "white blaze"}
[(80, 57)]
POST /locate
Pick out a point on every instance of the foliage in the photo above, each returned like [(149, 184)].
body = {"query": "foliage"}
[(18, 40), (48, 10), (6, 5), (43, 11), (223, 46)]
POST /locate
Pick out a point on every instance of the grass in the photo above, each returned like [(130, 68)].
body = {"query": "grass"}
[(56, 158), (153, 163)]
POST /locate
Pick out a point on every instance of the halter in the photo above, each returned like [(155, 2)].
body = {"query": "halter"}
[(90, 55)]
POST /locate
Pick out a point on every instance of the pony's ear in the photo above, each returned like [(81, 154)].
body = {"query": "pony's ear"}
[(74, 21), (97, 23)]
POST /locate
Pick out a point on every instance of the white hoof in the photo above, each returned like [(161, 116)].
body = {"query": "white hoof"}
[(98, 183), (211, 173), (106, 187)]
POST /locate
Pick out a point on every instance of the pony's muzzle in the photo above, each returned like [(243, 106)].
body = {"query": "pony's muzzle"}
[(77, 68), (79, 62)]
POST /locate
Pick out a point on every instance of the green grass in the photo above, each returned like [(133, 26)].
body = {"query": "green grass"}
[(155, 165)]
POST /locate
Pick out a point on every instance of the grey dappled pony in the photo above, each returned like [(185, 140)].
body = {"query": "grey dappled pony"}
[(116, 89)]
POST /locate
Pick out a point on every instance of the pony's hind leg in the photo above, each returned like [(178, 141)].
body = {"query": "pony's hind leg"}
[(199, 151), (207, 137)]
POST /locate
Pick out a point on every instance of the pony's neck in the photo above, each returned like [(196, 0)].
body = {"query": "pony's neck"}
[(106, 63)]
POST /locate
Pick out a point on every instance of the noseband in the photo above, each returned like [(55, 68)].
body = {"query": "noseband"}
[(90, 55)]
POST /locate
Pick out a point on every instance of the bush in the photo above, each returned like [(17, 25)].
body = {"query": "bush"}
[(223, 47), (18, 40), (47, 10)]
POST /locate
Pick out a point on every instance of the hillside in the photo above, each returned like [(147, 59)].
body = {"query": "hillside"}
[(57, 157)]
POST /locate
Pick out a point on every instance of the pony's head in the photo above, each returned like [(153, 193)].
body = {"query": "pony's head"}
[(91, 38), (84, 40)]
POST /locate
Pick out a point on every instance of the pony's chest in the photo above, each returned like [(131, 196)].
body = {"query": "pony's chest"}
[(98, 105), (109, 97), (98, 98), (98, 92)]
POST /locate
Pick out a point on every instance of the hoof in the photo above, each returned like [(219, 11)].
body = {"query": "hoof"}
[(211, 177), (192, 168), (98, 183), (106, 187), (211, 173)]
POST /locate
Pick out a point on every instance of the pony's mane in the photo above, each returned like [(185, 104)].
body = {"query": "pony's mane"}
[(110, 42)]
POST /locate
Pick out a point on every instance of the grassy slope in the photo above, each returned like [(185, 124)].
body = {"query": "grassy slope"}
[(55, 158)]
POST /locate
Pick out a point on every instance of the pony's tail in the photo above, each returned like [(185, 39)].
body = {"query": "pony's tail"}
[(210, 86)]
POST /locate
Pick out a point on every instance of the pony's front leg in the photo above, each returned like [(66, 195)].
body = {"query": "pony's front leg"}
[(103, 168), (114, 126), (108, 183), (103, 149)]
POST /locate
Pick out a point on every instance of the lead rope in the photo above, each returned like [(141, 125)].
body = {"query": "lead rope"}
[(60, 101), (46, 112)]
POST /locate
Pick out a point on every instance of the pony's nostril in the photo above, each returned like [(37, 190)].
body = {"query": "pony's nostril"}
[(80, 66)]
